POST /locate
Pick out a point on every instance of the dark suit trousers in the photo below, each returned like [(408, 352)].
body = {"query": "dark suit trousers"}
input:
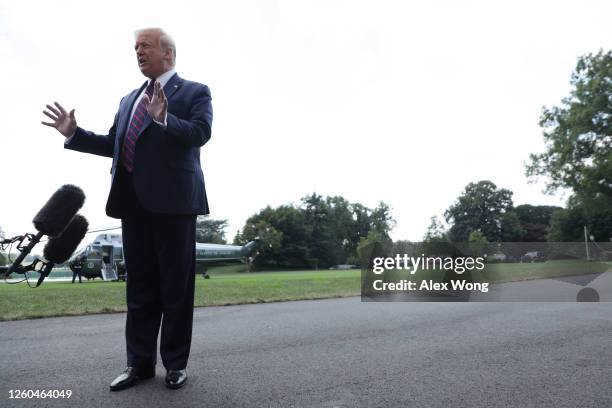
[(159, 251)]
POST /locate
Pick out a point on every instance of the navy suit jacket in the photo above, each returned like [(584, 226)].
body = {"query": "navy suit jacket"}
[(167, 173)]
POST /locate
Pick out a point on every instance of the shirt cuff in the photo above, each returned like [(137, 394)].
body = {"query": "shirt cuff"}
[(69, 138), (163, 124)]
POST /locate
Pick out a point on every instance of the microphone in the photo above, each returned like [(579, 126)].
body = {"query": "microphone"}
[(52, 219), (55, 215), (59, 249)]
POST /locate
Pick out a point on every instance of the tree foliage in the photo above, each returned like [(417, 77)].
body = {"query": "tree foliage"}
[(436, 231), (375, 244), (568, 224), (511, 228), (284, 234), (535, 214), (270, 237), (535, 220), (479, 208), (320, 232), (578, 155), (210, 231), (578, 132)]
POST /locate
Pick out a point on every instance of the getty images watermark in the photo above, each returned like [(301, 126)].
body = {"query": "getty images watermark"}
[(508, 271), (412, 264)]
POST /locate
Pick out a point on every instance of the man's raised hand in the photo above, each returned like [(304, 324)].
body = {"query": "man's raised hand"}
[(64, 122), (158, 104)]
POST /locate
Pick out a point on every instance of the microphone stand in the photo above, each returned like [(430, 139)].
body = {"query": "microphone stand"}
[(25, 250)]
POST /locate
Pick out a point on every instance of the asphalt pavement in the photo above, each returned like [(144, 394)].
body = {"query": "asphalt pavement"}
[(332, 353)]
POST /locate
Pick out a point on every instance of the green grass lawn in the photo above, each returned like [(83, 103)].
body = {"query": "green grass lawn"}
[(230, 285), (226, 287)]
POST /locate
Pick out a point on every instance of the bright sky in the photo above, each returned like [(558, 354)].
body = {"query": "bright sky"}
[(404, 102)]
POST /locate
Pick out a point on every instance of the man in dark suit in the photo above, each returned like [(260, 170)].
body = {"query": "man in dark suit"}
[(157, 191)]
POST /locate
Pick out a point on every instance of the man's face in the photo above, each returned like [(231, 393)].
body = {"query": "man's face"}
[(152, 59)]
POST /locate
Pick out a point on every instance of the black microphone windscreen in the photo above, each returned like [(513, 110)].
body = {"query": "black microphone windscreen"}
[(55, 215), (59, 249)]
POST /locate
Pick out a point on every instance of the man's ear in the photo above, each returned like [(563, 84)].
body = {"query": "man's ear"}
[(168, 55)]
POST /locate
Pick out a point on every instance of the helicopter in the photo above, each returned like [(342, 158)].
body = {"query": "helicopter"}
[(103, 257)]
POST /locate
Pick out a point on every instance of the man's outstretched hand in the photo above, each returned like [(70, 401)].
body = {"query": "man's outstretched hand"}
[(158, 104), (64, 122)]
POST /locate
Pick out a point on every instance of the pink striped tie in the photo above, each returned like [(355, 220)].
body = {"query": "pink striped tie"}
[(129, 142)]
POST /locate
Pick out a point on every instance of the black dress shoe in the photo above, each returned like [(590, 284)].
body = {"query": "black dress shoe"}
[(130, 377), (176, 378)]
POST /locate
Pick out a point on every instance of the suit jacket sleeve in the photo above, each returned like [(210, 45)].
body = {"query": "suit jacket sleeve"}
[(88, 142), (195, 130)]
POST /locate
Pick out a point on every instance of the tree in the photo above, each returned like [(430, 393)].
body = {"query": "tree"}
[(535, 214), (271, 239), (578, 133), (360, 226), (479, 208), (326, 235), (535, 220), (478, 242), (436, 231), (210, 231), (342, 222), (321, 232), (568, 224), (374, 245), (381, 220), (286, 230), (511, 228)]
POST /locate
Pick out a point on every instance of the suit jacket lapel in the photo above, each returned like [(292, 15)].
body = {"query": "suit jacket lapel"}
[(173, 84)]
